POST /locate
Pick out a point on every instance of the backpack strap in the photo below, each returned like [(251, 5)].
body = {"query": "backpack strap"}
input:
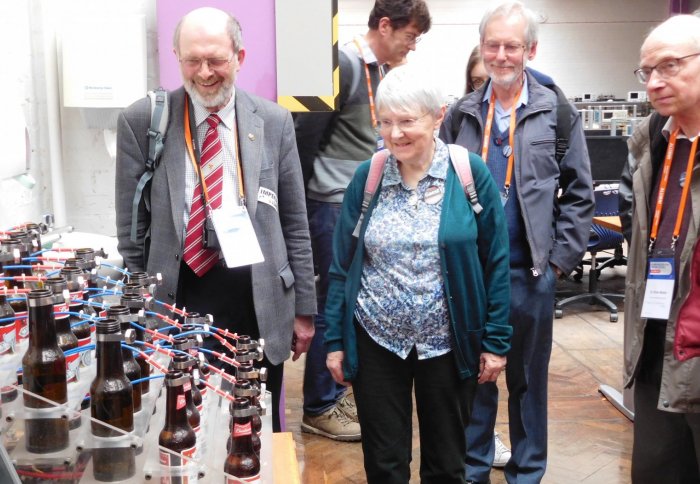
[(563, 128), (156, 142), (460, 161), (376, 170)]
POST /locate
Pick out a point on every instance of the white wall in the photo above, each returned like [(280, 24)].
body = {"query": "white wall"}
[(586, 45)]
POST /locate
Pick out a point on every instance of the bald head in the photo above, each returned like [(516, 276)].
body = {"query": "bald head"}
[(680, 29), (208, 21)]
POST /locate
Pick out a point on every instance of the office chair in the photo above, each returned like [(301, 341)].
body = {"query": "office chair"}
[(601, 239)]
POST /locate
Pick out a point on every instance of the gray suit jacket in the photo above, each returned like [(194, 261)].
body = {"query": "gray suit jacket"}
[(283, 285)]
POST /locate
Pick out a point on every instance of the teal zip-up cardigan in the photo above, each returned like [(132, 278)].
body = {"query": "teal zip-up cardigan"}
[(474, 261)]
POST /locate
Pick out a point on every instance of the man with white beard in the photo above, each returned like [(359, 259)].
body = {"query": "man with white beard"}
[(511, 121)]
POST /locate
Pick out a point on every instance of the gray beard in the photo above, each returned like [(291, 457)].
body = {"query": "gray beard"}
[(218, 100)]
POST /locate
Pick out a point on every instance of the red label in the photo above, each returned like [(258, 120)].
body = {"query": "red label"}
[(180, 402), (21, 325), (241, 430), (60, 308), (8, 338), (187, 386), (85, 356)]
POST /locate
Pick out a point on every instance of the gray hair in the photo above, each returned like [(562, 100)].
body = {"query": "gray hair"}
[(407, 88), (506, 9), (233, 29)]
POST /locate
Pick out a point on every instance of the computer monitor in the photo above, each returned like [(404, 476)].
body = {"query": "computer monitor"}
[(608, 155)]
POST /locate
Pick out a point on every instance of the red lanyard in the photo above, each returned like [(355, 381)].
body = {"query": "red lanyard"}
[(370, 92), (197, 168), (511, 135), (662, 191)]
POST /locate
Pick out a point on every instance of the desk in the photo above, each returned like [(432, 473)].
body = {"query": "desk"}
[(284, 459), (612, 222), (624, 401)]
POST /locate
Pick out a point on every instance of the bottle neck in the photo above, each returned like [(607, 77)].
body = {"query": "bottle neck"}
[(42, 327), (176, 407), (109, 359), (242, 435)]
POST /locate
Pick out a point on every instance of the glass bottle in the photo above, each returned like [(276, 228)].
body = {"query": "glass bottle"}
[(111, 401), (135, 302), (8, 339), (243, 388), (44, 369), (242, 462), (64, 336), (177, 434), (132, 370)]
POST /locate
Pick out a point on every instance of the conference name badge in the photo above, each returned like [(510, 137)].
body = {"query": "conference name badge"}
[(236, 235), (658, 294), (268, 197)]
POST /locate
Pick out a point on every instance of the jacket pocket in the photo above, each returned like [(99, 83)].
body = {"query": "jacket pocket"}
[(287, 276)]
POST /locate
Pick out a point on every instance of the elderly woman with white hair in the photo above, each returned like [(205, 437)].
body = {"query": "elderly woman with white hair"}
[(419, 297)]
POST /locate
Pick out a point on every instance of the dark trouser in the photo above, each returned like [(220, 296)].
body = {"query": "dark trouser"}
[(666, 444), (227, 294), (321, 392), (531, 314), (383, 391)]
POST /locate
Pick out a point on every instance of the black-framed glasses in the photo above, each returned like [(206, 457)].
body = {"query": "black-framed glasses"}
[(213, 63), (666, 69), (477, 82)]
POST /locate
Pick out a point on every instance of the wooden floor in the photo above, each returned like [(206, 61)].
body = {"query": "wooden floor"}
[(589, 440)]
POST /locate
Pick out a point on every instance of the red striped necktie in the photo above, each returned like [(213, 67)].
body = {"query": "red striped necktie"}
[(196, 255)]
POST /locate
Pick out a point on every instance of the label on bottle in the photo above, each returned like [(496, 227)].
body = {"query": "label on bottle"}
[(21, 325), (60, 308), (187, 386), (85, 356), (181, 402), (73, 367), (241, 430), (8, 338), (238, 480), (176, 472)]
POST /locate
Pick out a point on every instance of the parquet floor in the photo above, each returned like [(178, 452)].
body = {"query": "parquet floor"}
[(589, 440)]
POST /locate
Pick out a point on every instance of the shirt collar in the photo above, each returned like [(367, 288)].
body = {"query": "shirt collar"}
[(670, 126), (366, 51), (227, 113), (522, 100), (438, 168)]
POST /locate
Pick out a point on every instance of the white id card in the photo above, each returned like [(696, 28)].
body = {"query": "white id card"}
[(659, 291), (236, 236)]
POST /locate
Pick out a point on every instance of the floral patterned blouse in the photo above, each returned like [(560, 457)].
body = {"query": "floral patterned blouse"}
[(401, 303)]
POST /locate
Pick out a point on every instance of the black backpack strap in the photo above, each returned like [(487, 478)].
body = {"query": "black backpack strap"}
[(563, 128), (156, 141)]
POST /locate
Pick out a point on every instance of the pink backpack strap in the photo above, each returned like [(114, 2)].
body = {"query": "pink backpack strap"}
[(460, 161), (376, 170)]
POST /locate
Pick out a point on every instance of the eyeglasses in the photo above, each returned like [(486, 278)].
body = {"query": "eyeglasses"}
[(477, 82), (412, 38), (402, 124), (213, 63), (666, 69), (510, 48)]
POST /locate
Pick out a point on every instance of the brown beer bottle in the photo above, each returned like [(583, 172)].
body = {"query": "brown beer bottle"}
[(187, 364), (64, 336), (244, 389), (242, 462), (8, 340), (111, 401), (79, 326), (132, 370), (44, 370), (177, 434), (135, 302)]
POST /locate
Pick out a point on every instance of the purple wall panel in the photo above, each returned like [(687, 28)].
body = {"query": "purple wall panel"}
[(258, 73)]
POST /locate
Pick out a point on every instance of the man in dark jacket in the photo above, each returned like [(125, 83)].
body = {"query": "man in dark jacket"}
[(549, 205)]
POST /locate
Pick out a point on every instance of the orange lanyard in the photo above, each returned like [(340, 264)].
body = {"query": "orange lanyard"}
[(190, 149), (511, 136), (662, 191), (370, 92)]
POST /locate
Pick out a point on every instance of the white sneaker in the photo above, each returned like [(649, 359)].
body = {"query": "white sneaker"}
[(502, 454)]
